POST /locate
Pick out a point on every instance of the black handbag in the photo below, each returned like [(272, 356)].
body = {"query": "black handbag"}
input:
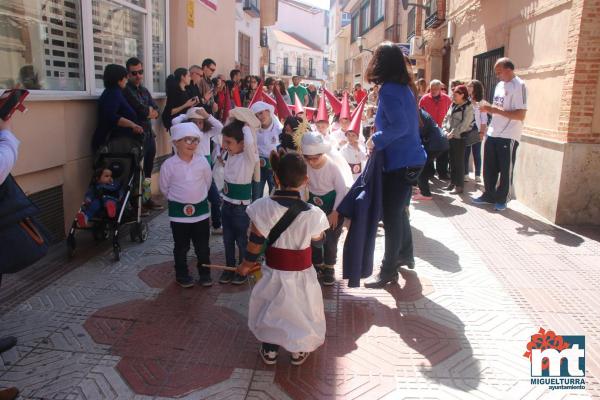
[(471, 137), (23, 240)]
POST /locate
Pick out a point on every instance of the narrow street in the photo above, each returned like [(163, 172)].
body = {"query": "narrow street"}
[(454, 328)]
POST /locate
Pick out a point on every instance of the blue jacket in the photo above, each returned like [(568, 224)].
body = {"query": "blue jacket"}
[(364, 206), (112, 105), (397, 128)]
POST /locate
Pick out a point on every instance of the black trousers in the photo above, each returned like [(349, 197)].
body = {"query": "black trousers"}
[(397, 189), (499, 156), (328, 254), (441, 163), (427, 173), (457, 162), (199, 234)]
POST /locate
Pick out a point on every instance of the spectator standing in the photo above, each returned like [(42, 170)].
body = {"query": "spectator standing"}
[(222, 98), (458, 120), (284, 92), (373, 96), (503, 134), (235, 87), (253, 86), (481, 120), (437, 104), (116, 118), (312, 95), (179, 99), (422, 88), (397, 136), (434, 143), (206, 86), (269, 87), (145, 107), (359, 93), (298, 89)]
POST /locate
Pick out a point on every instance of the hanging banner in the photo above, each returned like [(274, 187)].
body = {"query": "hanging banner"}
[(190, 13)]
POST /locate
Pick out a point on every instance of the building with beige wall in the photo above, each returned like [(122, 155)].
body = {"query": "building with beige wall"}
[(555, 45), (59, 53)]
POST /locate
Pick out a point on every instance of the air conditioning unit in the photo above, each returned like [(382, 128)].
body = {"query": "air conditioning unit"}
[(416, 46)]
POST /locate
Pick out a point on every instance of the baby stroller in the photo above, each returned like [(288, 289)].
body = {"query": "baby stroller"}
[(124, 157)]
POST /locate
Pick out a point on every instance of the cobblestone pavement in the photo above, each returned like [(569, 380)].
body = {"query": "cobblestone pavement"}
[(454, 328)]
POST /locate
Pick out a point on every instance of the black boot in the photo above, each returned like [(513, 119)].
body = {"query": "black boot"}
[(381, 279), (7, 343)]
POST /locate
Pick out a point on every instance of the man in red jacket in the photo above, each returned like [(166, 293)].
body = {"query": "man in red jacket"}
[(437, 104)]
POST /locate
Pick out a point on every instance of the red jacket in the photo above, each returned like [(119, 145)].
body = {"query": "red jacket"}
[(436, 107), (359, 95)]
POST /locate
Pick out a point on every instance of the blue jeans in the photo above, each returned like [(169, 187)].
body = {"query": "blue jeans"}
[(476, 150), (258, 188), (235, 231), (214, 198)]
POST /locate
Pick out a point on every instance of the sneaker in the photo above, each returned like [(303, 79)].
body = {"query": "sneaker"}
[(239, 279), (319, 269), (151, 205), (420, 196), (205, 280), (82, 220), (226, 277), (217, 231), (477, 179), (481, 200), (299, 358), (449, 188), (457, 190), (500, 206), (328, 276), (268, 357), (466, 178), (186, 282)]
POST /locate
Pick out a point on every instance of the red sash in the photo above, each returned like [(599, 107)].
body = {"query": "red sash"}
[(289, 260)]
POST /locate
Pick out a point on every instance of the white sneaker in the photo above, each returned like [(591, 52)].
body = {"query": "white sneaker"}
[(268, 357), (478, 179), (299, 358), (466, 179)]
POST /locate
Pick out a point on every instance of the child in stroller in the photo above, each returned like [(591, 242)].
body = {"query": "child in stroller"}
[(103, 192)]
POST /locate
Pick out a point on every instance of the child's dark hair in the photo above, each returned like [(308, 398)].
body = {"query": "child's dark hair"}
[(234, 130), (98, 172), (290, 168)]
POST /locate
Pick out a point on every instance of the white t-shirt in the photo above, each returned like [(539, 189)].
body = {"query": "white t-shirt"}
[(508, 96)]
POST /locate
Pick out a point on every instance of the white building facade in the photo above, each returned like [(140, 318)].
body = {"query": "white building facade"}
[(247, 42)]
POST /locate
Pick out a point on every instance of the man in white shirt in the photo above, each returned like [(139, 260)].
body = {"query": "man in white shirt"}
[(503, 134)]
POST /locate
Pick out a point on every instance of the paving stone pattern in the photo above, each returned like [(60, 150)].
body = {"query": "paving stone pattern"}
[(454, 328)]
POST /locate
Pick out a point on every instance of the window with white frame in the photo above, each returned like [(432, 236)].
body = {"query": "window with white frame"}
[(378, 10), (43, 42)]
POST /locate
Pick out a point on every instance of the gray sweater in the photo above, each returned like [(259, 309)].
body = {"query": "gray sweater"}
[(458, 120)]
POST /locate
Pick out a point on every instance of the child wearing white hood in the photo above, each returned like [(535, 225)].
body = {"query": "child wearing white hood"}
[(185, 180), (267, 140)]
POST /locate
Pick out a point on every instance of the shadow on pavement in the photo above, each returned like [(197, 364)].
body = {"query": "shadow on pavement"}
[(433, 252)]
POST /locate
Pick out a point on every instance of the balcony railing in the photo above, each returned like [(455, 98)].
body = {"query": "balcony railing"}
[(272, 68), (252, 7), (287, 70), (435, 16), (411, 25), (312, 73)]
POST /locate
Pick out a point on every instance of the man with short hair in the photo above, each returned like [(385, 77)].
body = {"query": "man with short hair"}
[(437, 103), (298, 89), (503, 134), (145, 107)]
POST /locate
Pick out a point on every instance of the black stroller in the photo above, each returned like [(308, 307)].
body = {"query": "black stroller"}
[(124, 157)]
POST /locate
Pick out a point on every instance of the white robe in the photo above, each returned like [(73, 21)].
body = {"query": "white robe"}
[(286, 307)]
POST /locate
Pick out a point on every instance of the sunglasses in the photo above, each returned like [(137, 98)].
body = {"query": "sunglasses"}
[(191, 140), (136, 73)]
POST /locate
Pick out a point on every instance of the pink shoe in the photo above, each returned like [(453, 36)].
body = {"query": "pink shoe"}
[(82, 220), (419, 196), (111, 209)]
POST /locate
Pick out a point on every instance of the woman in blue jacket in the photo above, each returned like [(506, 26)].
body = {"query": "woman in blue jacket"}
[(397, 136)]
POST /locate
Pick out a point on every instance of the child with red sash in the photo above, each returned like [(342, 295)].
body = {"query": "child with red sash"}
[(185, 180), (326, 189), (240, 164), (286, 305)]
